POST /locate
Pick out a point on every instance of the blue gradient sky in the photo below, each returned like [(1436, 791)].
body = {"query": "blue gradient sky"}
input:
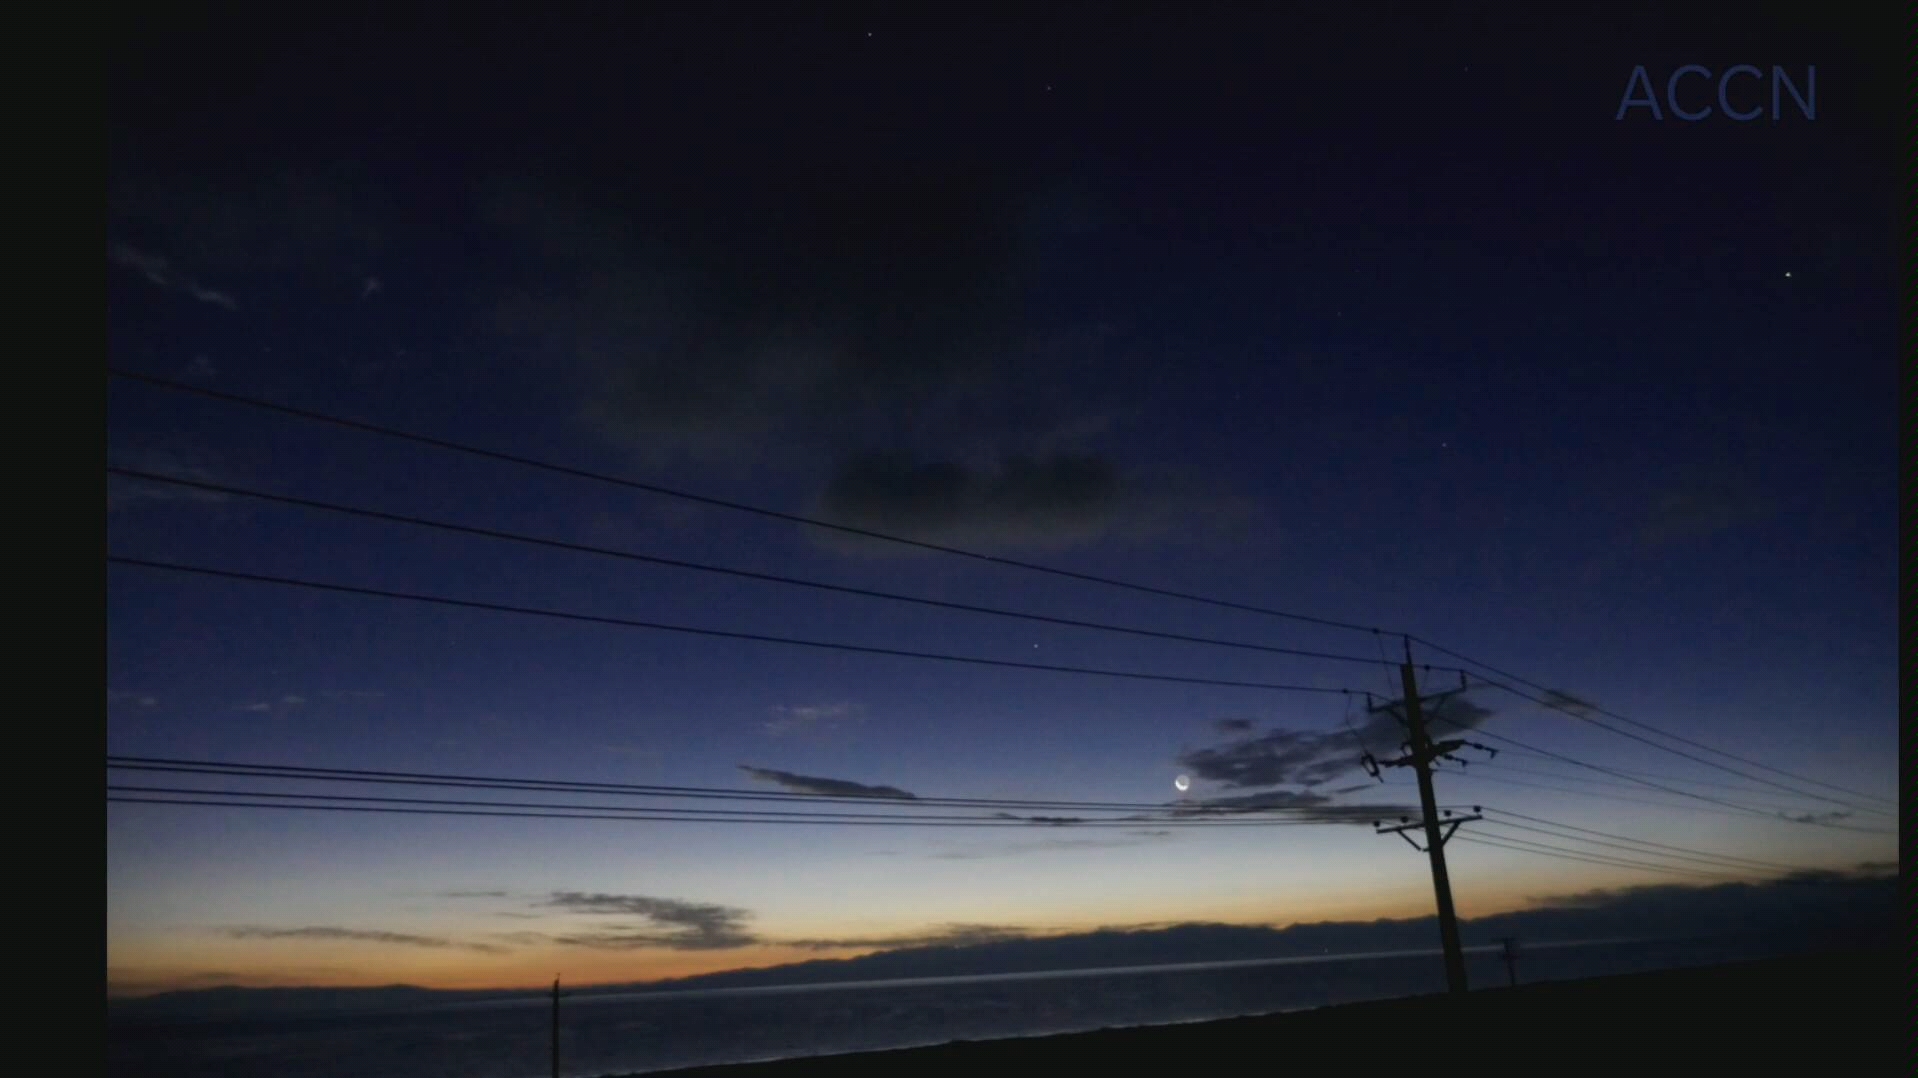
[(1407, 333)]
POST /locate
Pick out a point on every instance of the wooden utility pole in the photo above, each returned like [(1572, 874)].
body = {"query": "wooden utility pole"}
[(1434, 842), (556, 1026), (1421, 752)]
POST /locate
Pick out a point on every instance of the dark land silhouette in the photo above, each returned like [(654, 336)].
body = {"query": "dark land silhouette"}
[(1832, 1013)]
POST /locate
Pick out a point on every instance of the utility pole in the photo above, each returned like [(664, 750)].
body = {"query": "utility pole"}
[(555, 1026), (1421, 752)]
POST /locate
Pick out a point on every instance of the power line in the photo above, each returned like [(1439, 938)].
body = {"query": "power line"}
[(1664, 748), (717, 815), (656, 816), (1643, 841), (629, 623), (1648, 727), (1732, 786), (1543, 850), (704, 567), (1629, 784), (295, 772), (632, 484), (1619, 860), (722, 503), (1479, 731), (1639, 848), (1560, 777), (1474, 775)]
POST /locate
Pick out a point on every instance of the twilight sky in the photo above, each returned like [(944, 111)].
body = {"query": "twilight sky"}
[(1411, 332)]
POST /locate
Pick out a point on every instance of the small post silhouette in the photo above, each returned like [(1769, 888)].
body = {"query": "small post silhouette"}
[(555, 1025), (1511, 960)]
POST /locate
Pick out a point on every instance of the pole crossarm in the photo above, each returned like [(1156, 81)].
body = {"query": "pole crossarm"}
[(1449, 823)]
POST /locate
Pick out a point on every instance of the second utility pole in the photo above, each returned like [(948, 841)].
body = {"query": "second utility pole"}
[(1421, 761)]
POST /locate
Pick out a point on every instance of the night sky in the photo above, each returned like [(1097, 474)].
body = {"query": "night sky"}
[(1406, 332)]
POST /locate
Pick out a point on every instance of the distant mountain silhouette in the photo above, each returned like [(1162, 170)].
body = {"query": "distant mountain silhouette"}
[(1811, 909)]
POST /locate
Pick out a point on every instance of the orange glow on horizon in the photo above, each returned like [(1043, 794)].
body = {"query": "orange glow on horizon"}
[(153, 966)]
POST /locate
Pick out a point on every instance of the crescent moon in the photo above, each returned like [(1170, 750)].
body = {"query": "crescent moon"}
[(1182, 783)]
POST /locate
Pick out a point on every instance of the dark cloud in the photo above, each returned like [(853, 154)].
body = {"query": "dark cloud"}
[(1294, 805), (811, 784), (865, 296), (1455, 715), (359, 935), (1305, 759), (862, 334), (667, 923), (1276, 757), (1564, 701), (1063, 497), (311, 221), (1699, 509), (952, 935)]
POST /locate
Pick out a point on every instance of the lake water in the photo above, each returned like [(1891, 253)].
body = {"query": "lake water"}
[(634, 1032)]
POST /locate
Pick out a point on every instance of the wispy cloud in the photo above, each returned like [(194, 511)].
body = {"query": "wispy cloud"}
[(1817, 817), (358, 935), (669, 923), (1048, 821), (950, 935), (1232, 726), (128, 493), (470, 894), (812, 784), (1052, 845), (158, 271), (137, 699), (813, 717), (283, 703)]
